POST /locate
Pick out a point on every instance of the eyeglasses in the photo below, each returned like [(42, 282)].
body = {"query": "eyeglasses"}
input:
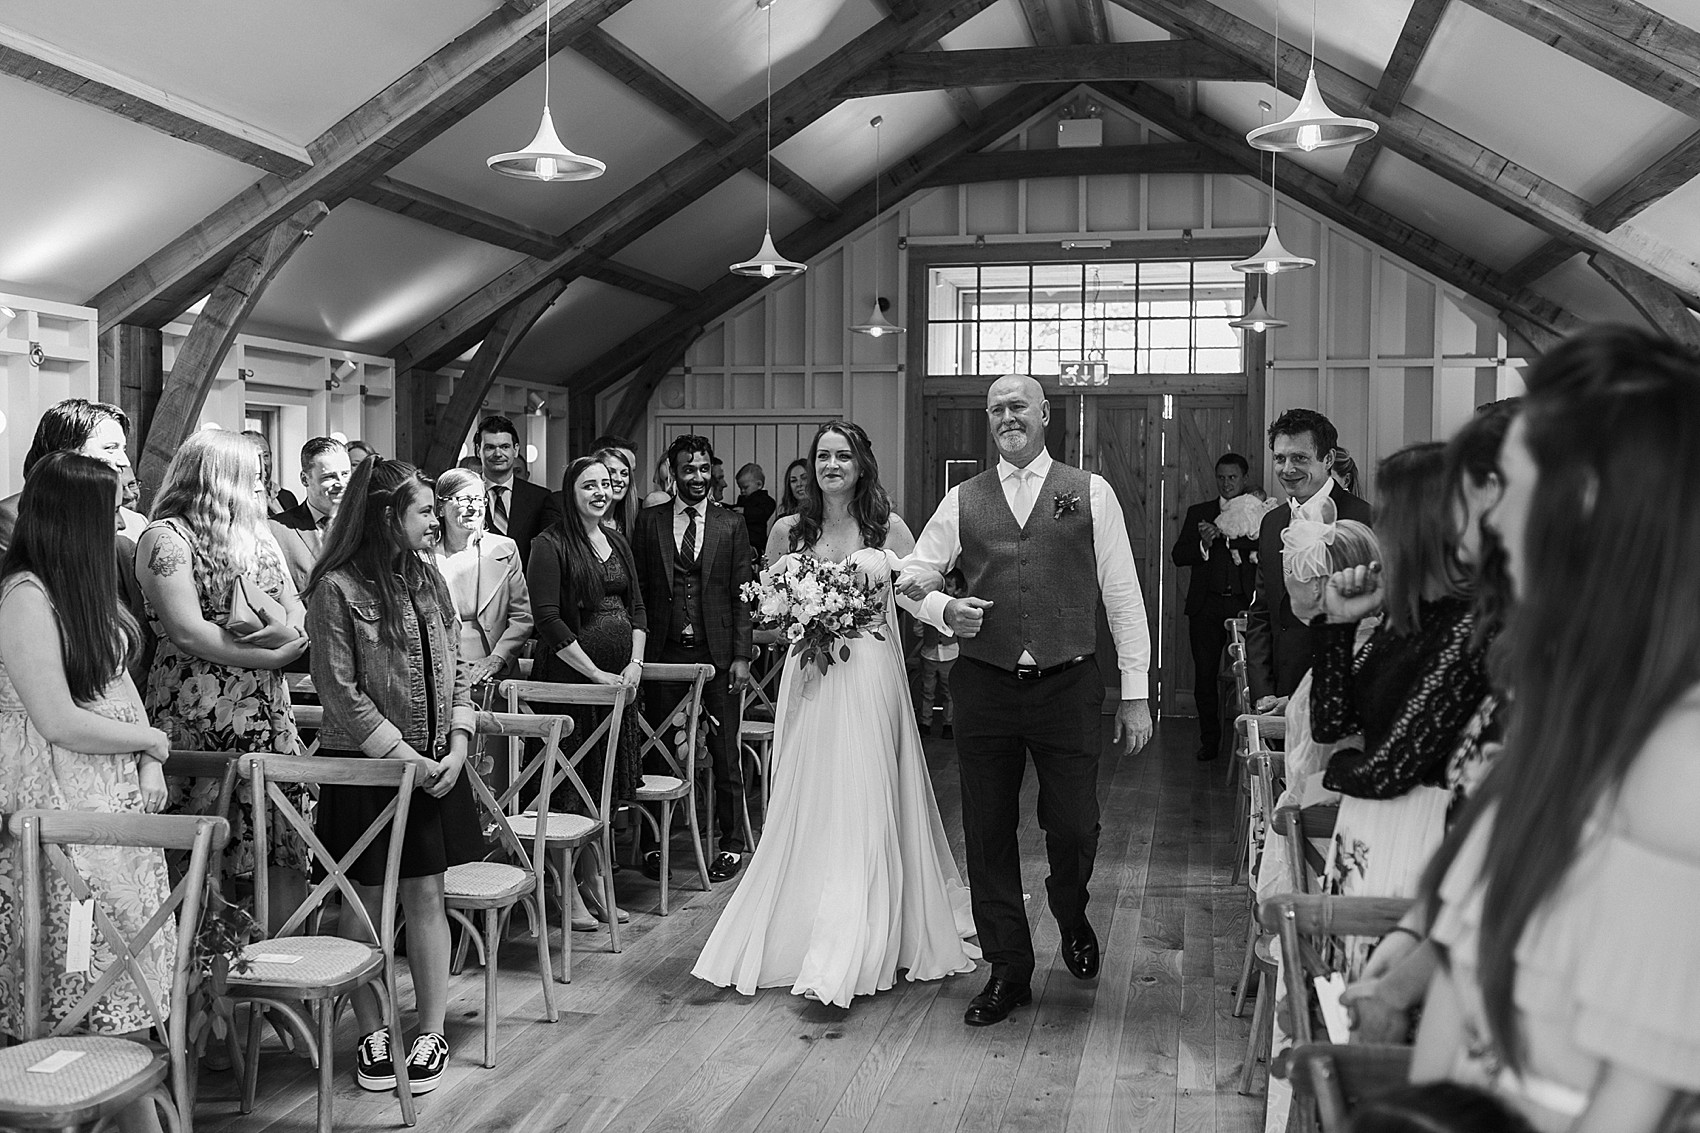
[(475, 503)]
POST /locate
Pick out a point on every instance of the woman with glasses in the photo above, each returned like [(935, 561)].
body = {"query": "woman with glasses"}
[(212, 688), (485, 579)]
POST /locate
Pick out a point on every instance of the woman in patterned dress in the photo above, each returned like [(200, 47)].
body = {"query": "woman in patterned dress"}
[(211, 689), (73, 737)]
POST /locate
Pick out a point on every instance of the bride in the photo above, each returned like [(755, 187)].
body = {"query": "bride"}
[(853, 879)]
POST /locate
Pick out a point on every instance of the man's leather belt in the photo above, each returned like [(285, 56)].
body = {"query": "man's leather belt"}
[(1035, 673)]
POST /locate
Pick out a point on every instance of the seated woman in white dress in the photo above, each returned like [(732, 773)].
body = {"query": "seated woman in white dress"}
[(853, 880), (1568, 896)]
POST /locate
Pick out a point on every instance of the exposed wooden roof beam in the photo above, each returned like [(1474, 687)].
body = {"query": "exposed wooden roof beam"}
[(1537, 338), (210, 338), (622, 63), (1016, 165), (1539, 262), (685, 178), (1158, 59), (1657, 303), (961, 99), (1649, 186), (1402, 64), (896, 181), (1639, 65), (1426, 251), (1466, 163), (473, 384), (47, 65), (455, 216), (1670, 40), (627, 416), (640, 282), (1094, 19), (457, 79), (1039, 22)]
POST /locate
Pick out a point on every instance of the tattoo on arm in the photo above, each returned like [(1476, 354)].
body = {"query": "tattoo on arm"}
[(165, 558)]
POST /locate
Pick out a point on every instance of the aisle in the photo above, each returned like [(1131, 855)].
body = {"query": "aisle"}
[(642, 1046)]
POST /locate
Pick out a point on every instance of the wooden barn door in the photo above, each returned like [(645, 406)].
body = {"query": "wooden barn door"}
[(1121, 440), (1201, 428)]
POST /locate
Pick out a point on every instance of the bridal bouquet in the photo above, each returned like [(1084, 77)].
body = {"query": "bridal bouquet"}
[(818, 606)]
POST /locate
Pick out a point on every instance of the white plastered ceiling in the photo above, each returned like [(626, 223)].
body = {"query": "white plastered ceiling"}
[(89, 194)]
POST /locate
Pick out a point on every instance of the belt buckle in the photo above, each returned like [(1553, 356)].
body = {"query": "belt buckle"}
[(1028, 672)]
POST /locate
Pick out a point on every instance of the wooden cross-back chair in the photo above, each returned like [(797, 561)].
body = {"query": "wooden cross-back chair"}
[(108, 1074), (565, 834), (1254, 735), (289, 967), (678, 743), (1302, 921), (495, 888), (758, 708)]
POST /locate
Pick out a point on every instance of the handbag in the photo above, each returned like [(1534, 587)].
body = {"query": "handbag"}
[(251, 608)]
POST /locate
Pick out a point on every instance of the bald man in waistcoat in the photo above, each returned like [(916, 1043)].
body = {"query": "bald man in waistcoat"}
[(1041, 545)]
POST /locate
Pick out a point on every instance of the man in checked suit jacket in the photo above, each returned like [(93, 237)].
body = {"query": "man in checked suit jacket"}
[(693, 558), (1278, 644), (516, 508), (1224, 576)]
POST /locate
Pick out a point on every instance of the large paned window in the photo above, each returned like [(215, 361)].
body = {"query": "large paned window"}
[(1138, 318)]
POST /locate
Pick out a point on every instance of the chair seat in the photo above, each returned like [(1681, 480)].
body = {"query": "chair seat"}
[(109, 1068), (1264, 950), (561, 828), (485, 881), (325, 961), (756, 730), (659, 788)]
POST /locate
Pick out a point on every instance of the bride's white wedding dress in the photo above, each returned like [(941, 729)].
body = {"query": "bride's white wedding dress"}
[(853, 879)]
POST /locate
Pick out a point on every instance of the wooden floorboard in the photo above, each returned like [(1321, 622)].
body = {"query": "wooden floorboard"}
[(644, 1047)]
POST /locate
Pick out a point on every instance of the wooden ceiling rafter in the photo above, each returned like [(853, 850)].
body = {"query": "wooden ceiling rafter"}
[(453, 82), (1402, 63), (650, 84), (896, 182), (1040, 23), (685, 179), (1087, 161), (46, 65), (1658, 303), (1082, 63), (1466, 163), (962, 100), (1094, 20)]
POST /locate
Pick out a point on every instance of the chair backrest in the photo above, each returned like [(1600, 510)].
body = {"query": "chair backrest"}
[(523, 697), (269, 773), (762, 693), (219, 765), (678, 739), (1302, 918), (45, 837), (1339, 1078), (521, 725), (308, 718)]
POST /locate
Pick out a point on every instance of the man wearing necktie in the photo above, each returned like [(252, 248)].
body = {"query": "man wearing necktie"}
[(693, 558), (516, 508), (1041, 544), (300, 530)]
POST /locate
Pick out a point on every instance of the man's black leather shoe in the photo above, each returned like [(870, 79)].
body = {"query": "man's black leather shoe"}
[(1205, 753), (1080, 952), (995, 1003), (652, 865), (725, 866)]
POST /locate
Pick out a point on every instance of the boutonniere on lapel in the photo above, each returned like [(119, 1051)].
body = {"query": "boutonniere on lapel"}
[(1065, 504)]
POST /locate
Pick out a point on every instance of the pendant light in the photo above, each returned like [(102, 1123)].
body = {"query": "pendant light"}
[(877, 324), (768, 262), (545, 158), (1312, 125), (1257, 319), (1273, 258)]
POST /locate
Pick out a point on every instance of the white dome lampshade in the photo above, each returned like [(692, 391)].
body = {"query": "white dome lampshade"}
[(768, 262), (878, 325), (1273, 258), (1257, 319), (1312, 125), (547, 159)]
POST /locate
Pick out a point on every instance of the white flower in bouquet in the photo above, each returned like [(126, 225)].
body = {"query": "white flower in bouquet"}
[(1243, 517)]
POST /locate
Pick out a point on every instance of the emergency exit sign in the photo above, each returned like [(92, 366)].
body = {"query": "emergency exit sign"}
[(1084, 373)]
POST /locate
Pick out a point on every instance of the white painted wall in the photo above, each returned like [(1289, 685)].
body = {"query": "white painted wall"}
[(67, 366)]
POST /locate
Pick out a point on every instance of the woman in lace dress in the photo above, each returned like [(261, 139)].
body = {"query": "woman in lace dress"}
[(1567, 896), (73, 737), (853, 880), (210, 688)]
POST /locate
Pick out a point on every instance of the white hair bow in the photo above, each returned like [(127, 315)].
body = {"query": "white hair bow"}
[(1305, 543)]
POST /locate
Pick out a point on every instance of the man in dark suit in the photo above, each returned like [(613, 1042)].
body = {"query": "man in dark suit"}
[(693, 558), (1224, 575), (516, 508), (300, 530), (1278, 644)]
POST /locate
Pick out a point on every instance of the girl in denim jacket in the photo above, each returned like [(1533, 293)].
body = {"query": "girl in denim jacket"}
[(386, 668)]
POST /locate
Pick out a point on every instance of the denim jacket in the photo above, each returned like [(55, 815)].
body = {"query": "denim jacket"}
[(373, 692)]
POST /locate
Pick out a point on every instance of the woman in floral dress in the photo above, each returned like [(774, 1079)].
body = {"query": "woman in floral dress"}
[(211, 689), (73, 737)]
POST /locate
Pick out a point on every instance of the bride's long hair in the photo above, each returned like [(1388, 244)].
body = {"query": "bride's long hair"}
[(870, 506)]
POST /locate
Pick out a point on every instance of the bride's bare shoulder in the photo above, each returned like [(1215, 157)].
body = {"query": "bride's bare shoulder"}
[(898, 538)]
